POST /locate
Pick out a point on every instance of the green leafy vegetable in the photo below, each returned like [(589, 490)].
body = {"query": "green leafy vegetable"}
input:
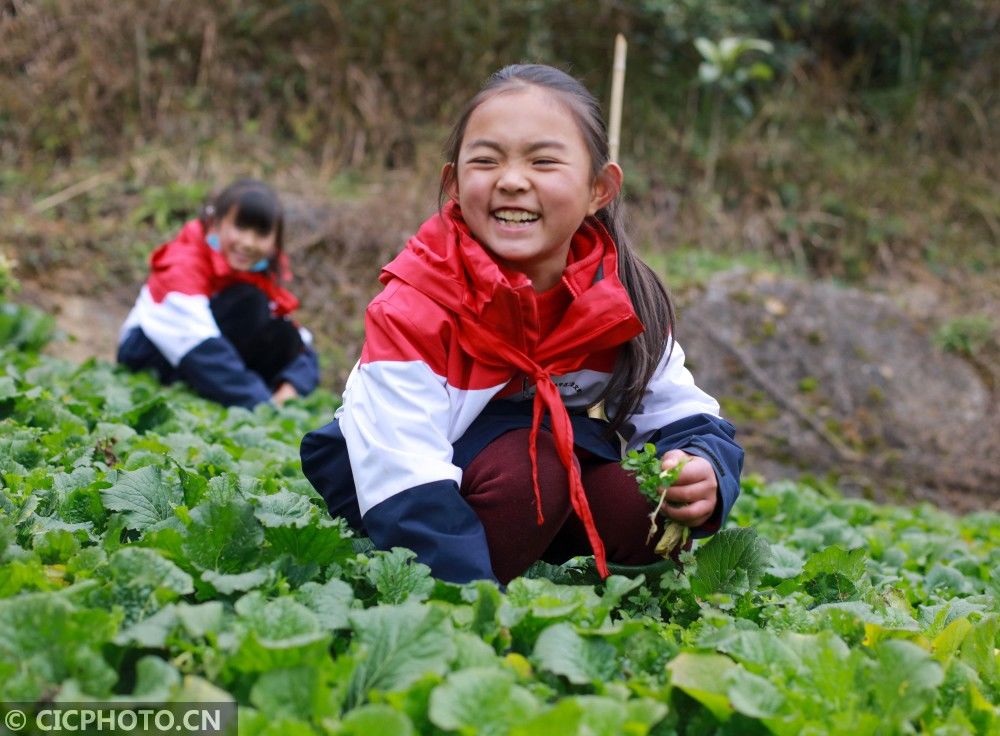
[(143, 496), (157, 547), (653, 484), (481, 700)]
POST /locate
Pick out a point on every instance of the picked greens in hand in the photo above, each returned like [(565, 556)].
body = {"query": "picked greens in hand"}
[(653, 484)]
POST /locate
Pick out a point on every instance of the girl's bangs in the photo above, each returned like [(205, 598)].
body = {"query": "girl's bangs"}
[(258, 212)]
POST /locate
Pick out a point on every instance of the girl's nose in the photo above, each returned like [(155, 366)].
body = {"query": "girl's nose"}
[(512, 179)]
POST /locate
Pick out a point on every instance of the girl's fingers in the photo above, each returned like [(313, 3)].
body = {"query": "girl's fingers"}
[(693, 514), (695, 467), (695, 470), (695, 489), (672, 457), (691, 492)]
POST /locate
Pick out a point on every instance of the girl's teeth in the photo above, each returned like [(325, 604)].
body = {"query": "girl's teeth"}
[(515, 216)]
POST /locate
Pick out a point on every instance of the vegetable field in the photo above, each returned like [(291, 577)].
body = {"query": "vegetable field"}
[(157, 547)]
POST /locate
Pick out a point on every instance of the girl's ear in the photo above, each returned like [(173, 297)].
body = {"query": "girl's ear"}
[(606, 187), (449, 181)]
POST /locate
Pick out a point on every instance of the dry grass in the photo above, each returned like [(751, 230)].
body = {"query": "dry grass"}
[(117, 118)]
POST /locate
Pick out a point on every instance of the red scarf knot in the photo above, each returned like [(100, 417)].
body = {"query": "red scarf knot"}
[(547, 398)]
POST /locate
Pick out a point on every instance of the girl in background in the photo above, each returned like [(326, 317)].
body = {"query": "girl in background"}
[(464, 434), (214, 313)]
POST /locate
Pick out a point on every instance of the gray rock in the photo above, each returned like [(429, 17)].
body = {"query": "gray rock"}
[(839, 383)]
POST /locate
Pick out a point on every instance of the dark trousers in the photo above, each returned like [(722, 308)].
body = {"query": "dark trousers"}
[(266, 344), (497, 485)]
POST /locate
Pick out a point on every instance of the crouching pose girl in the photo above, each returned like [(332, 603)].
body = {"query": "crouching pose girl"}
[(464, 434), (214, 312)]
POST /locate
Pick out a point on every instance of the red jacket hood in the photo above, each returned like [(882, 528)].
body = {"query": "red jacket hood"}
[(447, 264)]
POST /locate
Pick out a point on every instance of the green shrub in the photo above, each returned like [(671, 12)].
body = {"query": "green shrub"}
[(966, 335)]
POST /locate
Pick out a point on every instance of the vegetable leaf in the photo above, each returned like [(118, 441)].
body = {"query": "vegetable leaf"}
[(582, 660), (224, 539), (704, 677), (396, 645), (480, 700), (143, 496), (733, 561)]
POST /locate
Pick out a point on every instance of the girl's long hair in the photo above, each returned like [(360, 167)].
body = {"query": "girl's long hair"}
[(638, 358)]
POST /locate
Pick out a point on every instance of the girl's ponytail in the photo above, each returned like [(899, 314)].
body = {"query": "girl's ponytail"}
[(639, 357)]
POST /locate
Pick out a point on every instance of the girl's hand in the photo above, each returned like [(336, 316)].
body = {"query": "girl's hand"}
[(696, 487), (283, 393)]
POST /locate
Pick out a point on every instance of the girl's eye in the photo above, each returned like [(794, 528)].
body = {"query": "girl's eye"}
[(545, 162), (481, 161)]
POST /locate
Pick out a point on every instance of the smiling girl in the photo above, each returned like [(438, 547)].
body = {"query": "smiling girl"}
[(464, 434), (213, 312)]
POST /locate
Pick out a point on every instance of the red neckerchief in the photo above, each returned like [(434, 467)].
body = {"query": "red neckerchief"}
[(445, 262)]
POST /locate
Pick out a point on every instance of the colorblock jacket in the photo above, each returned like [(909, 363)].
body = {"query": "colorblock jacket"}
[(171, 328), (453, 358)]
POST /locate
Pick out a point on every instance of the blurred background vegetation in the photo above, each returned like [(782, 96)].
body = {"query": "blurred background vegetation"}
[(835, 138)]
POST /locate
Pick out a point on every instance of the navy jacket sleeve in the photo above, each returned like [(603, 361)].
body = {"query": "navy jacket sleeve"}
[(712, 438), (326, 465), (435, 522), (303, 372), (431, 519)]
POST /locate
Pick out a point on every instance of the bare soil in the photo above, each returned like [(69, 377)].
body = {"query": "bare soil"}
[(87, 324)]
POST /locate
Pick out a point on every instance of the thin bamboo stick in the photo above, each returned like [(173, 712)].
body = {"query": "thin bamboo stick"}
[(81, 187), (614, 136), (617, 92)]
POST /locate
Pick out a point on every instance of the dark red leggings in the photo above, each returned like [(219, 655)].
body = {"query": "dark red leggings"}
[(497, 485)]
